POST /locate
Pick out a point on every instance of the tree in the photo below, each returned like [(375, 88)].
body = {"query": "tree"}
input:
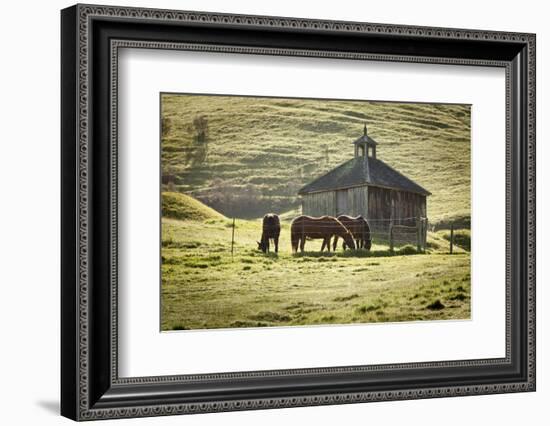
[(200, 125)]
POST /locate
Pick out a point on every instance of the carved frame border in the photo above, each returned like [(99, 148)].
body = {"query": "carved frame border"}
[(85, 14)]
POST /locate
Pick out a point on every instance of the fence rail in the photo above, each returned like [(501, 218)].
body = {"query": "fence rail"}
[(420, 232), (397, 233)]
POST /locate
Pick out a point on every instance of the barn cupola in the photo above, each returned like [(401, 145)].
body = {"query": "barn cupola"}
[(365, 146)]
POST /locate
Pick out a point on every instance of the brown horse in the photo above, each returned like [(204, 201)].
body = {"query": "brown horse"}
[(271, 229), (359, 228), (323, 227)]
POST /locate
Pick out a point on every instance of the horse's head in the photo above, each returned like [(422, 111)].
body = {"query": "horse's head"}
[(262, 246), (348, 239), (368, 243)]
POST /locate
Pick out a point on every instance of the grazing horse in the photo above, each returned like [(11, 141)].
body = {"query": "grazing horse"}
[(271, 229), (323, 227), (359, 228)]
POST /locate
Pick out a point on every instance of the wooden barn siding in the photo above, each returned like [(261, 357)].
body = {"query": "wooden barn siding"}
[(378, 205), (319, 204), (324, 203), (402, 207), (358, 201)]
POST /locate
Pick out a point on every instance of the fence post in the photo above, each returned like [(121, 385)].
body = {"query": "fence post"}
[(391, 236), (452, 237), (425, 233), (232, 238), (302, 238), (418, 234)]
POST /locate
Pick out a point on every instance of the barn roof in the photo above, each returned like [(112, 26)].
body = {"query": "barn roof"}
[(363, 171)]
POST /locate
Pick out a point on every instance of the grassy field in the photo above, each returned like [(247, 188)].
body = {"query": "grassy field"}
[(203, 286), (260, 151)]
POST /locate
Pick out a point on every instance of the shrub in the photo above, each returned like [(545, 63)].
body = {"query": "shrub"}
[(407, 249), (459, 296), (436, 306), (462, 238), (457, 221), (179, 327)]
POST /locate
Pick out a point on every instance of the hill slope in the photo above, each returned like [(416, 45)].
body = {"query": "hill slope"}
[(260, 151), (183, 207)]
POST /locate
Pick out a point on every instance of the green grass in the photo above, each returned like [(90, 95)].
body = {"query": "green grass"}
[(181, 206), (461, 237), (203, 286), (262, 150)]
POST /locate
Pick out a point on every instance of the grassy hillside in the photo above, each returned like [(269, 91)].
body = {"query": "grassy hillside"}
[(180, 206), (259, 151)]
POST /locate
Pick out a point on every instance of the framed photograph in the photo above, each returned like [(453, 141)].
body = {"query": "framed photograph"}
[(263, 212)]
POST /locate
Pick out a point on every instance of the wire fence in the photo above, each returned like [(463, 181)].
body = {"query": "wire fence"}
[(385, 231)]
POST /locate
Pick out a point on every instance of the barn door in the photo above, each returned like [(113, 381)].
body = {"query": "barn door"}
[(342, 202)]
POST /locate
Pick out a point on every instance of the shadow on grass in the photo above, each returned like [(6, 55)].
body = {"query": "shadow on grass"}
[(405, 251)]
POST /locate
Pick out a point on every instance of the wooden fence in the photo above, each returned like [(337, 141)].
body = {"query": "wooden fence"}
[(420, 232)]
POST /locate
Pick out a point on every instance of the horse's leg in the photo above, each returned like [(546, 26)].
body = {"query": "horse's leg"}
[(328, 244), (302, 243), (323, 244), (276, 242)]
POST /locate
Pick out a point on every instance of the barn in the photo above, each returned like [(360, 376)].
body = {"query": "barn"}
[(366, 186)]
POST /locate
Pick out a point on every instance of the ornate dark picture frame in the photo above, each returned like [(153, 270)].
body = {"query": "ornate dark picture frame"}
[(91, 37)]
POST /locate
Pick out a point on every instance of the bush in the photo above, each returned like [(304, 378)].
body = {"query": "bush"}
[(436, 306), (179, 327), (456, 221), (462, 238), (407, 249)]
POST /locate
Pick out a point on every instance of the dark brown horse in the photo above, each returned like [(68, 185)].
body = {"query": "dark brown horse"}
[(271, 229), (359, 228), (323, 227)]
